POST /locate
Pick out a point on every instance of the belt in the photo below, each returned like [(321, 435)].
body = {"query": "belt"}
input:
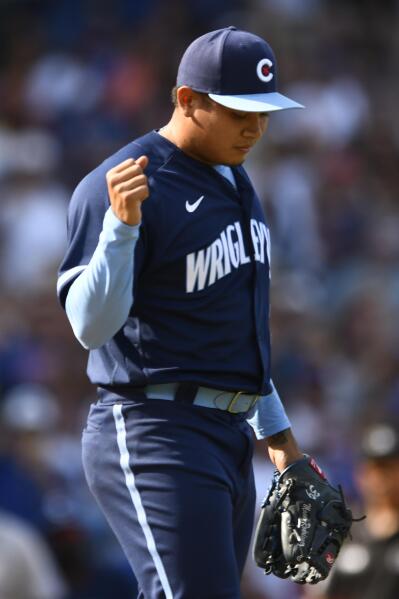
[(234, 402)]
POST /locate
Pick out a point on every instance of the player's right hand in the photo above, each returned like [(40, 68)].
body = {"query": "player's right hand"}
[(128, 188)]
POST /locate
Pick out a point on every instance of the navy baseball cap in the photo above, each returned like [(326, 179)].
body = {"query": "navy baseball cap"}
[(236, 69)]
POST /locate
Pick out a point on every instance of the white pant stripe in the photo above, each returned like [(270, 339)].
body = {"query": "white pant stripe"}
[(136, 499)]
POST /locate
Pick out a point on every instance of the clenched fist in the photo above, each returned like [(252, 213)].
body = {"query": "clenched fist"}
[(127, 189)]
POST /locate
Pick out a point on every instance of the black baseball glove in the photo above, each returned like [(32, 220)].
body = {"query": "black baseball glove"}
[(302, 525)]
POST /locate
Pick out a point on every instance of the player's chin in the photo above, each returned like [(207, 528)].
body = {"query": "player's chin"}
[(235, 163), (239, 156), (235, 160)]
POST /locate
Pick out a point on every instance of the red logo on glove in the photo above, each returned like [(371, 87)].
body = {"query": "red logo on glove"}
[(317, 469), (330, 559)]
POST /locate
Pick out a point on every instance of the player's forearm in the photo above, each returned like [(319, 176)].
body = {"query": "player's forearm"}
[(283, 449), (99, 300)]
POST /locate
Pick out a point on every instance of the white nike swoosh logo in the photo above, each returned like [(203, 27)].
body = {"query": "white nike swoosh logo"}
[(192, 207)]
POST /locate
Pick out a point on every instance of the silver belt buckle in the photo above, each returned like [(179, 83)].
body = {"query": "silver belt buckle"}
[(236, 397)]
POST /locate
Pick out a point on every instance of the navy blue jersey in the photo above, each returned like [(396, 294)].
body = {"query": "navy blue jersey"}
[(201, 275)]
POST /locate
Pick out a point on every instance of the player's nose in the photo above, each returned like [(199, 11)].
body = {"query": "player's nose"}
[(256, 125)]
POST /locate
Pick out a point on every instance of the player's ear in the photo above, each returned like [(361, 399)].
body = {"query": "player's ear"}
[(187, 100)]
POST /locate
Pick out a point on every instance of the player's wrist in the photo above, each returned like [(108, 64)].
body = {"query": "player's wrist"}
[(112, 225), (283, 449), (283, 460), (130, 217)]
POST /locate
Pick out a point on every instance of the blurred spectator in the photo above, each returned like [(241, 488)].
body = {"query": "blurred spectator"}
[(41, 481), (368, 565), (291, 190), (59, 83), (338, 109), (32, 223), (28, 412), (27, 568)]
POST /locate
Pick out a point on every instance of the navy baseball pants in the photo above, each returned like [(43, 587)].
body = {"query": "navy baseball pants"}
[(175, 483)]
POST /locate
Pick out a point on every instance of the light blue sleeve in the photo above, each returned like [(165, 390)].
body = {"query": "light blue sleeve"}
[(99, 300), (268, 416)]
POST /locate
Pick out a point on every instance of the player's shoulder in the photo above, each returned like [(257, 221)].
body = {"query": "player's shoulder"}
[(151, 144)]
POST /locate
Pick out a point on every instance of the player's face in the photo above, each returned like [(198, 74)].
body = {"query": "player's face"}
[(379, 481), (223, 136)]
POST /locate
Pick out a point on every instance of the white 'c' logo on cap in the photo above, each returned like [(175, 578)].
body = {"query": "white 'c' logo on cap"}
[(263, 70)]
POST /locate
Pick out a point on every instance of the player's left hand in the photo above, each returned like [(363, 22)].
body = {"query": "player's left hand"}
[(303, 523)]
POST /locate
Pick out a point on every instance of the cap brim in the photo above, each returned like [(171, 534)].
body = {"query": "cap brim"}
[(256, 102)]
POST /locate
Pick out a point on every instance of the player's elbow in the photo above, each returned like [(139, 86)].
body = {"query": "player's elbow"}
[(88, 337), (93, 324), (95, 332), (90, 332), (86, 325)]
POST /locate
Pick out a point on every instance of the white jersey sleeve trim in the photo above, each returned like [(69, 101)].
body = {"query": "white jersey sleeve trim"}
[(268, 416), (68, 275)]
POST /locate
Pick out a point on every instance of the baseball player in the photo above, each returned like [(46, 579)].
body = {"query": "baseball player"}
[(166, 282)]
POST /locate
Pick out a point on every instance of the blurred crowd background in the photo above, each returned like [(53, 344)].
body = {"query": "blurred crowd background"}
[(79, 79)]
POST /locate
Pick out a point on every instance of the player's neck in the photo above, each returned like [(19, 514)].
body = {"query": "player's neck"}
[(177, 132), (173, 131)]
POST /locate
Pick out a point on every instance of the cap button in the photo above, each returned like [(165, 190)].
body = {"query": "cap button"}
[(232, 28)]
